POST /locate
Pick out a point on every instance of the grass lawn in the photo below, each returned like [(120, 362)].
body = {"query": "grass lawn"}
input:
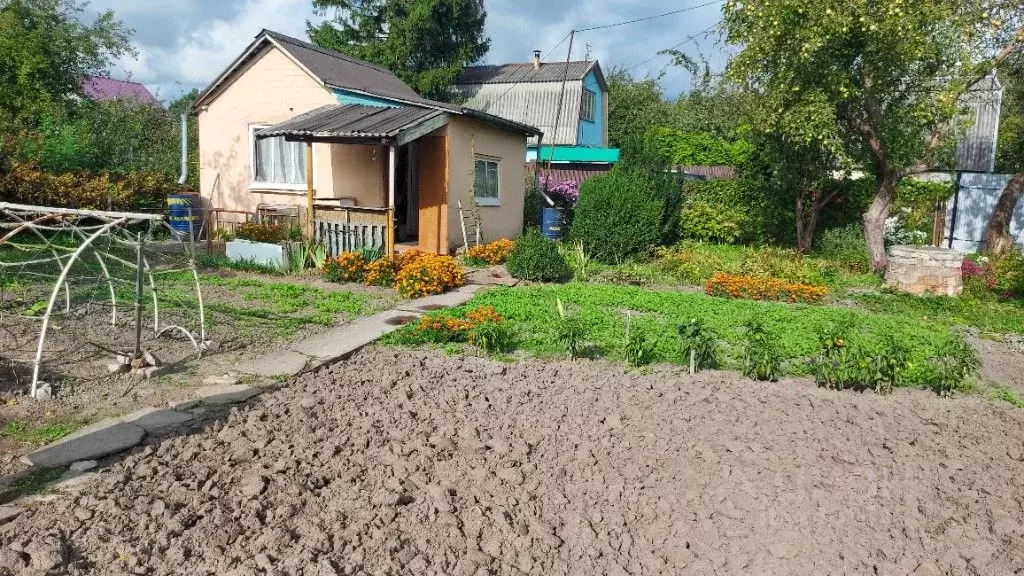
[(533, 312)]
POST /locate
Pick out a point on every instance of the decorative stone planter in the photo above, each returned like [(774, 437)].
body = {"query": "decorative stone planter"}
[(274, 255), (925, 270)]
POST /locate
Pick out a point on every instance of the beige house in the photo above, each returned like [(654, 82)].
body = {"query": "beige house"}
[(364, 158)]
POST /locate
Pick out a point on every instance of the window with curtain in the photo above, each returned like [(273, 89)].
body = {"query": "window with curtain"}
[(587, 105), (485, 185), (277, 161)]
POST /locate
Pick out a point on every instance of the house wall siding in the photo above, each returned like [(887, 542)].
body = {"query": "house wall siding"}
[(349, 97), (272, 88), (468, 138), (592, 133)]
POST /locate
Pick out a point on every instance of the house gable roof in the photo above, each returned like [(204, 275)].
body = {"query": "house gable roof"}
[(329, 68), (334, 70), (526, 72)]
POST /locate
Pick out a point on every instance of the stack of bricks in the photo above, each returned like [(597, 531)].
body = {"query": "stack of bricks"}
[(925, 270)]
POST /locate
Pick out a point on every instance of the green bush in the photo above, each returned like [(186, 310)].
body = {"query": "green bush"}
[(762, 359), (532, 204), (641, 348), (1009, 271), (948, 371), (846, 245), (697, 148), (700, 345), (493, 336), (570, 331), (724, 211), (706, 222), (618, 216), (536, 258), (844, 364)]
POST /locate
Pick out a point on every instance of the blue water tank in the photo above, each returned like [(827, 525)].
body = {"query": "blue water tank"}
[(551, 222), (178, 207)]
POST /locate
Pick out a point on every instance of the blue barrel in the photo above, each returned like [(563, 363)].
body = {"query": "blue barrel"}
[(178, 208), (551, 222)]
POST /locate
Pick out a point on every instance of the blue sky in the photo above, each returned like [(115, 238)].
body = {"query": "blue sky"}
[(183, 44)]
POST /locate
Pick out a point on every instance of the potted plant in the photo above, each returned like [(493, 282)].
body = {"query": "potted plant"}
[(268, 244)]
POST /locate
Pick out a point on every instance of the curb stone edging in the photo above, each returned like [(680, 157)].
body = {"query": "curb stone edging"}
[(115, 435)]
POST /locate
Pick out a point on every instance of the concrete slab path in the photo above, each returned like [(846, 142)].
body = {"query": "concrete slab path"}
[(341, 341)]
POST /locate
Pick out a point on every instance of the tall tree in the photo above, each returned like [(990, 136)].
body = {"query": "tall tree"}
[(426, 43), (47, 50), (634, 107), (1010, 156), (880, 77)]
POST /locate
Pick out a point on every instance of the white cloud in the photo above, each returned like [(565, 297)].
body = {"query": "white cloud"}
[(184, 44)]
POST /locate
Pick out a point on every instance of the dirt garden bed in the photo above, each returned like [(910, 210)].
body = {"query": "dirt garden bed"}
[(399, 462), (247, 314)]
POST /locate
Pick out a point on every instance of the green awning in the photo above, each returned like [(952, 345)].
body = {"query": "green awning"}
[(579, 154)]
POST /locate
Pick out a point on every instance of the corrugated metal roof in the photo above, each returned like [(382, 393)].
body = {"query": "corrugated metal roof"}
[(350, 121), (510, 73), (977, 150), (340, 70), (533, 104)]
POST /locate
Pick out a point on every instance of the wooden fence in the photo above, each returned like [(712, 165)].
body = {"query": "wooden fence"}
[(340, 237)]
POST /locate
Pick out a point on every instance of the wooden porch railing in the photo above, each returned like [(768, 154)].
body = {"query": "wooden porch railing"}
[(351, 228)]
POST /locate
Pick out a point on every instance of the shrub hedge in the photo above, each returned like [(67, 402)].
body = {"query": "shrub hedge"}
[(618, 216), (536, 258)]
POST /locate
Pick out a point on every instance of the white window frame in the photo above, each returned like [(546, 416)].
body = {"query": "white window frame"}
[(273, 186), (593, 108), (488, 201)]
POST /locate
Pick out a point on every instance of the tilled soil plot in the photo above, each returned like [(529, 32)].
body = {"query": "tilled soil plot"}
[(400, 462)]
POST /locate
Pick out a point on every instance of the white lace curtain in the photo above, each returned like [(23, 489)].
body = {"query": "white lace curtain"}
[(280, 162)]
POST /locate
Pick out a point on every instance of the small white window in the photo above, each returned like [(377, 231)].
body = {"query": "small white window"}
[(587, 105), (277, 163), (485, 184)]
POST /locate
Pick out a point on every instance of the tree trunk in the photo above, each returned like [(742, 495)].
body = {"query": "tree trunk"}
[(807, 223), (997, 235), (874, 219)]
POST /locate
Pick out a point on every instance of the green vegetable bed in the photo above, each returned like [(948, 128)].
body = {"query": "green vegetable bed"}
[(532, 310)]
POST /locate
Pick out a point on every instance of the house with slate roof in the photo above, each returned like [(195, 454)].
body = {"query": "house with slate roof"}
[(352, 146), (533, 93)]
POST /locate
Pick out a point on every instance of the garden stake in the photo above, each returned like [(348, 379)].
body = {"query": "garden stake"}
[(693, 361), (138, 298)]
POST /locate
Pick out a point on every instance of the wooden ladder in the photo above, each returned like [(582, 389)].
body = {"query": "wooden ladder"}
[(476, 222)]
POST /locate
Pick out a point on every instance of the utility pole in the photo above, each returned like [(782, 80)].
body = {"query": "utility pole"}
[(561, 98)]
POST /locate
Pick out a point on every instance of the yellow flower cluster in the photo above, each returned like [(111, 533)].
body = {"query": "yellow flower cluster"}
[(347, 267), (437, 328), (429, 274), (493, 252)]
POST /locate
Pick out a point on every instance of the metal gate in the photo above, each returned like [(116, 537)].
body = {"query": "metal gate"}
[(970, 208)]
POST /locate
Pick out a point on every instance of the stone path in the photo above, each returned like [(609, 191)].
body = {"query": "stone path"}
[(341, 341)]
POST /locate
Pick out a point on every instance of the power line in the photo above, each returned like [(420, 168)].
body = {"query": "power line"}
[(646, 18), (687, 39), (514, 84)]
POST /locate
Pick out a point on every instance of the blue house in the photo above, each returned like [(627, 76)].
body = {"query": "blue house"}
[(531, 92)]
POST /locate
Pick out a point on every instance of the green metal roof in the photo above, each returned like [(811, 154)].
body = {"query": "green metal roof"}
[(578, 154)]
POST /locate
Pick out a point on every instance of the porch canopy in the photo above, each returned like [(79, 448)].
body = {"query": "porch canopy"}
[(358, 124)]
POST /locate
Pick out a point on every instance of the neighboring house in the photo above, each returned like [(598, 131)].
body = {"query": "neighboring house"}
[(379, 152), (531, 93), (977, 150), (103, 89)]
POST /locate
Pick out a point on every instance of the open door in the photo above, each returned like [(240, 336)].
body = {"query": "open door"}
[(433, 193)]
